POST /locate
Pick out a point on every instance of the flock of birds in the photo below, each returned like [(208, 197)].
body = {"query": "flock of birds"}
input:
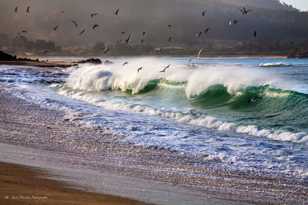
[(243, 10)]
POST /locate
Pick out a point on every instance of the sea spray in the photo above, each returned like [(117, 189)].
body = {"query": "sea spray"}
[(250, 101)]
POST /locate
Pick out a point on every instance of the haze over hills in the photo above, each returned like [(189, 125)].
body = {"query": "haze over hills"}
[(273, 21)]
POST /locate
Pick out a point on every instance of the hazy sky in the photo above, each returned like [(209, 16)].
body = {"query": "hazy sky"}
[(300, 4), (152, 17)]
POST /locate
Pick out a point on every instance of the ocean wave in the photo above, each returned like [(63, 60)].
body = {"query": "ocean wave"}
[(192, 117), (127, 78), (260, 95)]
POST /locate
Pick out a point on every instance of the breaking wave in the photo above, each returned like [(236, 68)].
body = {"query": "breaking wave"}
[(245, 101)]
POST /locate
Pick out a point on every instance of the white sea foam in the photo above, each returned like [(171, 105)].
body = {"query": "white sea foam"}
[(119, 77), (233, 78), (275, 64), (197, 80), (187, 117)]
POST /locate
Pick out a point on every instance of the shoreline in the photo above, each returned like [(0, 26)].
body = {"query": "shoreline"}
[(42, 64), (48, 61), (27, 185), (123, 167)]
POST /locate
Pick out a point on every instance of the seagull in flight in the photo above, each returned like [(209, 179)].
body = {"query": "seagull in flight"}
[(128, 38), (56, 28), (82, 32), (125, 63), (117, 12), (165, 69), (233, 22), (199, 34), (199, 53), (75, 23), (245, 11), (93, 14), (28, 9), (204, 12), (95, 26), (207, 30), (139, 69), (106, 50)]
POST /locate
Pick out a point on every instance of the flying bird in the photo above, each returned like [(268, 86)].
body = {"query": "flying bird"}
[(95, 26), (28, 9), (204, 12), (125, 63), (255, 34), (169, 26), (128, 38), (139, 69), (24, 31), (106, 50), (75, 23), (199, 53), (165, 69), (93, 14), (123, 32), (16, 9), (82, 32), (233, 22), (117, 12), (245, 11), (207, 30), (56, 28), (198, 35), (143, 33)]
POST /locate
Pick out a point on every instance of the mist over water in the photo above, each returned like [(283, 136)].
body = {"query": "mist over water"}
[(137, 16)]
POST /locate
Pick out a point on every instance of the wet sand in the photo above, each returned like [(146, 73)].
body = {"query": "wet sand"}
[(21, 185), (151, 175)]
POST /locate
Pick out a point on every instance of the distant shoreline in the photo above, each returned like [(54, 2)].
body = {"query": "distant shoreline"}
[(39, 62)]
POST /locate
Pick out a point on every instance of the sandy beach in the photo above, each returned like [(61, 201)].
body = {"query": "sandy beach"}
[(134, 102), (44, 138), (25, 185)]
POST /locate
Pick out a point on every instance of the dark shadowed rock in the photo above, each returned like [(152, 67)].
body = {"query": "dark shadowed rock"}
[(6, 57), (91, 61)]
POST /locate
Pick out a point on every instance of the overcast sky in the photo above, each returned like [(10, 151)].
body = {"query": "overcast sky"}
[(300, 4)]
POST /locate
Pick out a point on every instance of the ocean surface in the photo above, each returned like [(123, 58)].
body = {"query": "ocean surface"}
[(248, 113)]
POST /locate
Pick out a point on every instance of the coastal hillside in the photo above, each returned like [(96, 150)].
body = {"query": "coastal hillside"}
[(212, 24)]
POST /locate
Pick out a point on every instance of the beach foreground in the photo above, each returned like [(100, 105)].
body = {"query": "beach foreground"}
[(43, 138), (24, 185)]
